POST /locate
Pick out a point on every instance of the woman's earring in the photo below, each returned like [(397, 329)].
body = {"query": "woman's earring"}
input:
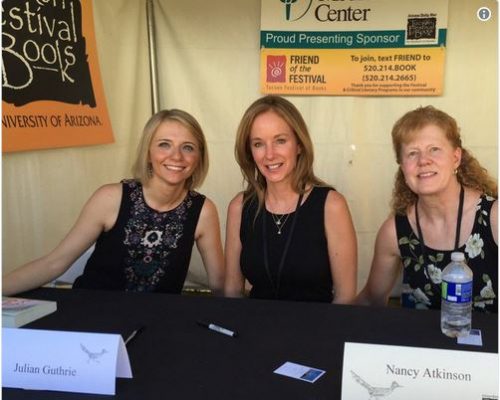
[(150, 170)]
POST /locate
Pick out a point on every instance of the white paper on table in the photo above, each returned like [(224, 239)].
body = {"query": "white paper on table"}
[(65, 361), (415, 373)]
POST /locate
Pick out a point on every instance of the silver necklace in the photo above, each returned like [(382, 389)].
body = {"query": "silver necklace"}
[(280, 221)]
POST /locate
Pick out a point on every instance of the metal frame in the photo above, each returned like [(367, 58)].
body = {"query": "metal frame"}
[(150, 13)]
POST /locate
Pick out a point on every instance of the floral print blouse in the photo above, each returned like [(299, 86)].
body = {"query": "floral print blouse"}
[(146, 250), (422, 286)]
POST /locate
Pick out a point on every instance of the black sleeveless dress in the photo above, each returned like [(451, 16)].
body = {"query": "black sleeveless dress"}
[(306, 274), (146, 250), (422, 285)]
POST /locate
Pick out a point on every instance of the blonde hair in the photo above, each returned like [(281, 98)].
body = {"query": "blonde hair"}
[(303, 174), (469, 173), (142, 166)]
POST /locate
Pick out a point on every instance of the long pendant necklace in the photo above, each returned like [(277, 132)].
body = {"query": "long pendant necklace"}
[(457, 233), (280, 221), (276, 285)]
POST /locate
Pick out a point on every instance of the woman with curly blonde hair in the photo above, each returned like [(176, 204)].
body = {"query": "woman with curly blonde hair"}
[(443, 201)]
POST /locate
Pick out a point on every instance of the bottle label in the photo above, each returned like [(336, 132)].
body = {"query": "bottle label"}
[(456, 292)]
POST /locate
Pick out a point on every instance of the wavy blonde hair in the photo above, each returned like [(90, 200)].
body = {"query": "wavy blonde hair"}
[(141, 168), (469, 173), (303, 175)]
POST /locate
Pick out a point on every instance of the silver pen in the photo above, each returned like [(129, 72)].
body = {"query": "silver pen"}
[(217, 328)]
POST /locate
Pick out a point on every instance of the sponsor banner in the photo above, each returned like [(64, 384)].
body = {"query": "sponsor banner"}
[(52, 93), (353, 47)]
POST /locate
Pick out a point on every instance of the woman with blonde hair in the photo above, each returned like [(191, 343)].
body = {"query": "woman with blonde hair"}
[(143, 228), (289, 234), (443, 201)]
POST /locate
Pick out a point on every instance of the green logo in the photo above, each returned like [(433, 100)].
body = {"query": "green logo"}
[(288, 9)]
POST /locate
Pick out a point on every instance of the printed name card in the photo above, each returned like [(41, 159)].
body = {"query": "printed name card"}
[(63, 361), (413, 373)]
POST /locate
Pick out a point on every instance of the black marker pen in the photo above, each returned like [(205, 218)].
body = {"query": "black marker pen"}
[(133, 335)]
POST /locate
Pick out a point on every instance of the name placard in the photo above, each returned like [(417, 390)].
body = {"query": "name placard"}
[(415, 373), (64, 361)]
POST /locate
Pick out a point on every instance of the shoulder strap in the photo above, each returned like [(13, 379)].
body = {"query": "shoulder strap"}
[(403, 227), (126, 203)]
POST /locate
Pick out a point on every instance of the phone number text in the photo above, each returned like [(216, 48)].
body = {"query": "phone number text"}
[(389, 78)]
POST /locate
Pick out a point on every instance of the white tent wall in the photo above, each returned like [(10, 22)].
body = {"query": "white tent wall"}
[(208, 63)]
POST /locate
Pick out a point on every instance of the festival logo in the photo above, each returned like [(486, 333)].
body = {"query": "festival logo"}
[(422, 29), (276, 68), (43, 53), (52, 93)]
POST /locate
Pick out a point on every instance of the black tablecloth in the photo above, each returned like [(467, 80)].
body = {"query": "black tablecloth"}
[(174, 358)]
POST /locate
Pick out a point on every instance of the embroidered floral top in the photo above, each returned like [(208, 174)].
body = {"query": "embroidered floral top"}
[(146, 250), (422, 286)]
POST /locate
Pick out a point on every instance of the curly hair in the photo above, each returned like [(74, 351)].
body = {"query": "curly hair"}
[(303, 174), (469, 173)]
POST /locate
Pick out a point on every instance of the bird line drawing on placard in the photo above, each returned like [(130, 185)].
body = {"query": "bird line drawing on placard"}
[(375, 392), (92, 356)]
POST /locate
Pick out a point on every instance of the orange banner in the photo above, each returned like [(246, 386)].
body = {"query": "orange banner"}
[(52, 94), (384, 72)]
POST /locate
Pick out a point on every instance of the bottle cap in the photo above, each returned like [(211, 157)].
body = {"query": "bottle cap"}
[(457, 256)]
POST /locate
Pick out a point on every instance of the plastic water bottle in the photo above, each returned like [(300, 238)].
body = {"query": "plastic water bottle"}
[(456, 297)]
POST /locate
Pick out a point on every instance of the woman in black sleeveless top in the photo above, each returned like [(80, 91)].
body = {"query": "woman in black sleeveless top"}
[(289, 234), (443, 201), (143, 228)]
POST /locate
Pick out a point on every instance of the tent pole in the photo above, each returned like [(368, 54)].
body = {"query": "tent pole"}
[(152, 56)]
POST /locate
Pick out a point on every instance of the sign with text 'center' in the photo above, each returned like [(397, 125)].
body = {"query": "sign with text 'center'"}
[(353, 47)]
